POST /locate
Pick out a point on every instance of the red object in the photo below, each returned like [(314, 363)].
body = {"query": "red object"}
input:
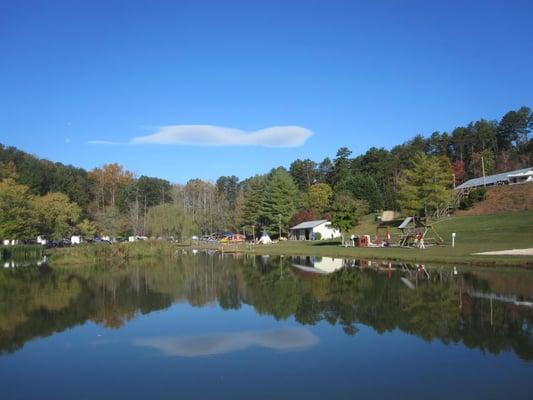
[(362, 241)]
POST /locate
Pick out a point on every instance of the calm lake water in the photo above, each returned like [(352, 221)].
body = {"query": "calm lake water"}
[(212, 326)]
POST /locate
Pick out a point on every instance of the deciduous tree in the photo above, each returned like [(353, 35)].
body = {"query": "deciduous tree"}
[(318, 198), (17, 216), (57, 215), (346, 211)]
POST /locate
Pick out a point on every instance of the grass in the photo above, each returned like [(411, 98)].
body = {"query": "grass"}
[(115, 254), (474, 234)]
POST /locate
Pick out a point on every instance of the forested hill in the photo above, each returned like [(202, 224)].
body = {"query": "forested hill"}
[(414, 177), (43, 176)]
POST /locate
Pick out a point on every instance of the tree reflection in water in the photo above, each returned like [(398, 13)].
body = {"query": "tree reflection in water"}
[(483, 309)]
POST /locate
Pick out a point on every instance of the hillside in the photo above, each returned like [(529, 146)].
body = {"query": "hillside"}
[(503, 199)]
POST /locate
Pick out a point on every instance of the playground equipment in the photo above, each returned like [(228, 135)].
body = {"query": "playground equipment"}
[(414, 229)]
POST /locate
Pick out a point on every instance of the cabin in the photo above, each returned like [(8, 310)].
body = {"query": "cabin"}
[(314, 230)]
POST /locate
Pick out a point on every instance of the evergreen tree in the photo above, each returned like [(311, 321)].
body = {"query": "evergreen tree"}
[(304, 173), (280, 202), (341, 166), (425, 188), (254, 202), (363, 187)]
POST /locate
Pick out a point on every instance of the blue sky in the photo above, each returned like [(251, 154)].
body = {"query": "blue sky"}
[(317, 75)]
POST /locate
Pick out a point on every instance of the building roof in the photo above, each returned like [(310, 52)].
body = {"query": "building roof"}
[(309, 224), (491, 179)]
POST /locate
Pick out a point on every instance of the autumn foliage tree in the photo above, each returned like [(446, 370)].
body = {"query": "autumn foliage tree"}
[(107, 182), (318, 198)]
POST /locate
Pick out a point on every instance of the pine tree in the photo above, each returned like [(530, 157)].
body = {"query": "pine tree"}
[(426, 187), (253, 204), (280, 201)]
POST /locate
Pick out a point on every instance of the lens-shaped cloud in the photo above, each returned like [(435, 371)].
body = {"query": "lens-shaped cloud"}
[(211, 135), (292, 339)]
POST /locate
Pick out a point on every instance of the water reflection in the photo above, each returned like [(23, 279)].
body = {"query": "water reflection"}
[(321, 265), (484, 309), (208, 345), (18, 263)]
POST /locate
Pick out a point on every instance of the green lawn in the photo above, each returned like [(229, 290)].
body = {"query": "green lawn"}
[(474, 234)]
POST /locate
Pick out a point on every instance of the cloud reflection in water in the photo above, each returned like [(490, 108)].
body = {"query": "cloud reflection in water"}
[(292, 339)]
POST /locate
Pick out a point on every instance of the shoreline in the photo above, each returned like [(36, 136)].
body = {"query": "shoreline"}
[(120, 253)]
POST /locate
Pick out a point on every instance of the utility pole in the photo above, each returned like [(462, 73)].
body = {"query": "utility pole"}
[(483, 169), (253, 233), (279, 238)]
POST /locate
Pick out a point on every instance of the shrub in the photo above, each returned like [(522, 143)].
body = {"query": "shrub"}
[(475, 196)]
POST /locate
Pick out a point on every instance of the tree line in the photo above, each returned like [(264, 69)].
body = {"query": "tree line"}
[(415, 177)]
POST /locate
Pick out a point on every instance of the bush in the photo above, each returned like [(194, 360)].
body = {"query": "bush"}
[(318, 236), (475, 196)]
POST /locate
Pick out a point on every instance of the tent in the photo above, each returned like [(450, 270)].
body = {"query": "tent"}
[(265, 239)]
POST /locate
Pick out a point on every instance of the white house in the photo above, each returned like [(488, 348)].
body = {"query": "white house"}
[(308, 230)]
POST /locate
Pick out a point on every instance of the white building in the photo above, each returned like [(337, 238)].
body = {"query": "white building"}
[(308, 230), (521, 177)]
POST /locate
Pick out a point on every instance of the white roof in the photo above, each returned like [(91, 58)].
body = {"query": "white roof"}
[(309, 224), (492, 179), (522, 174)]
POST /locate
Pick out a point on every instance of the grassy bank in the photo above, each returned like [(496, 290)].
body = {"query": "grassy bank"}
[(102, 254), (474, 234)]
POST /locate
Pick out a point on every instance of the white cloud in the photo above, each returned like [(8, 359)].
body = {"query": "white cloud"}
[(291, 339), (212, 135)]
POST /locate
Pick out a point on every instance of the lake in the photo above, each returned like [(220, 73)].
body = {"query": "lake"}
[(239, 326)]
